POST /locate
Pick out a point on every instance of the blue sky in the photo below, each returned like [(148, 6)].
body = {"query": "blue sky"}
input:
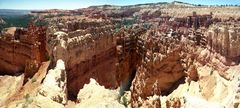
[(75, 4)]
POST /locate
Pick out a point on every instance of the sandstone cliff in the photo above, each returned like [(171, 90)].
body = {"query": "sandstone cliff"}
[(22, 50)]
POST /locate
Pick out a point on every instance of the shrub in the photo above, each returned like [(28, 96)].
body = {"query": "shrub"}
[(26, 97), (125, 101), (33, 80)]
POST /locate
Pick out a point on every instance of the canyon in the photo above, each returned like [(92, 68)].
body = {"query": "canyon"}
[(162, 55)]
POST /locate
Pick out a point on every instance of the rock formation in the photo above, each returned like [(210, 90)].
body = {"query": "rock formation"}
[(94, 95), (22, 50), (12, 85), (169, 55), (223, 40), (55, 84), (87, 53)]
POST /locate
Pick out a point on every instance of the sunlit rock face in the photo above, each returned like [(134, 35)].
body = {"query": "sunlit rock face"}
[(224, 40), (95, 95), (161, 69), (28, 95), (174, 60), (55, 84), (12, 85)]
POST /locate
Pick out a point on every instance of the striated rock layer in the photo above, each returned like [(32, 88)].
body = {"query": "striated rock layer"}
[(87, 53), (22, 50)]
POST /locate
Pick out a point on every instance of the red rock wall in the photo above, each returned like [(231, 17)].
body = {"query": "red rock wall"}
[(23, 48), (13, 56), (101, 66), (127, 56), (91, 53), (160, 68), (87, 53)]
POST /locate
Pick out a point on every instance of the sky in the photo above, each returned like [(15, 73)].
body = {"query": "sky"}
[(75, 4)]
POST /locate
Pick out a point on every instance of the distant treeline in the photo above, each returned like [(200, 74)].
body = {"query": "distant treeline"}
[(20, 21), (15, 21), (12, 20)]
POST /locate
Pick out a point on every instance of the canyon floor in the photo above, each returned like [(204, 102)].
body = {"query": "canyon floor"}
[(157, 55)]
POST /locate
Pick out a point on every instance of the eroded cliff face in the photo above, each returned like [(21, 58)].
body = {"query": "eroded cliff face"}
[(88, 53), (22, 50), (209, 69), (173, 58), (9, 56), (128, 57), (224, 40), (164, 65)]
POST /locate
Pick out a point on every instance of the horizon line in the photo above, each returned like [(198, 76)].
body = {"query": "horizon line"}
[(208, 5)]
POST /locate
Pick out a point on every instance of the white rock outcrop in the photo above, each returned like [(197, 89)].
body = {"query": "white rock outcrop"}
[(95, 96), (11, 85), (195, 102), (55, 84)]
